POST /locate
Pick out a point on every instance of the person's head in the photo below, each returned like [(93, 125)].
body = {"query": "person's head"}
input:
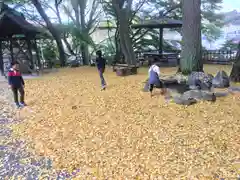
[(99, 53), (15, 65), (154, 61)]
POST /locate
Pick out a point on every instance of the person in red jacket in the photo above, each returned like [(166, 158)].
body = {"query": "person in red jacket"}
[(16, 83)]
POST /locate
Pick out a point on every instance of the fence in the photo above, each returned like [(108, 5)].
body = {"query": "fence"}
[(208, 56), (219, 57)]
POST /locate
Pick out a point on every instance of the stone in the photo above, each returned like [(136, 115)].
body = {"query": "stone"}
[(74, 63), (221, 94), (182, 101), (234, 89), (169, 81), (221, 80), (125, 71), (195, 94), (200, 80), (193, 87), (199, 95), (181, 79), (146, 87)]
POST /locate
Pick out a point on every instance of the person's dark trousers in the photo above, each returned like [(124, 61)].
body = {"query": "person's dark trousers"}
[(15, 94), (103, 82)]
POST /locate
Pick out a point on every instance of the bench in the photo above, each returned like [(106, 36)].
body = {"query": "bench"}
[(124, 69), (162, 58)]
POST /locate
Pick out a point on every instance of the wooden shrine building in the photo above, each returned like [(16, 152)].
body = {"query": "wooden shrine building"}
[(17, 37)]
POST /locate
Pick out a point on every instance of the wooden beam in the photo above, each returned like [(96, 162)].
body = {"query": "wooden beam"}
[(22, 38), (37, 54), (29, 44), (160, 40), (1, 60), (11, 49)]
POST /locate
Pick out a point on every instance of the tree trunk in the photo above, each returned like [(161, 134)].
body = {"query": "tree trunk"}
[(117, 57), (1, 60), (191, 56), (84, 46), (125, 40), (235, 73), (52, 30)]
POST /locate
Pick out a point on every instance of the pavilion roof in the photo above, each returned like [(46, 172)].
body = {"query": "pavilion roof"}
[(13, 22)]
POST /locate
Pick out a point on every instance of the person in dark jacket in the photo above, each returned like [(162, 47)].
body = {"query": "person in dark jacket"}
[(16, 83), (101, 63)]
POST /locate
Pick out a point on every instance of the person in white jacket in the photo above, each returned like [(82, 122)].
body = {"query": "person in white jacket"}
[(154, 78)]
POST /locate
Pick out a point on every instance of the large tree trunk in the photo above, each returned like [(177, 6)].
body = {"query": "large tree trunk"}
[(118, 53), (235, 73), (125, 40), (123, 18), (84, 46), (52, 30), (191, 56)]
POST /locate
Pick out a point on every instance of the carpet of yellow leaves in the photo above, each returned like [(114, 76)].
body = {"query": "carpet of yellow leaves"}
[(122, 133)]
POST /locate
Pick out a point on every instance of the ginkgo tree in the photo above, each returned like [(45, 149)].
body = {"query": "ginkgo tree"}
[(85, 16)]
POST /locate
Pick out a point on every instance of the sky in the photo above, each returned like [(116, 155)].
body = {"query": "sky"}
[(229, 5)]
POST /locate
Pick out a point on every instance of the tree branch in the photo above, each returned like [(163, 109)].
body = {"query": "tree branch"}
[(172, 9)]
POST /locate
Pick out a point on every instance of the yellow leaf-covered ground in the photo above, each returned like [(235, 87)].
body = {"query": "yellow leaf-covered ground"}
[(122, 133)]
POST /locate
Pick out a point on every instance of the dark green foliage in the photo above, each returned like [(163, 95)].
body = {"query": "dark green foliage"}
[(49, 50)]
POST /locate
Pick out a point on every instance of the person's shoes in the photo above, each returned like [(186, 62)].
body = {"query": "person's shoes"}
[(18, 106), (103, 88), (22, 104)]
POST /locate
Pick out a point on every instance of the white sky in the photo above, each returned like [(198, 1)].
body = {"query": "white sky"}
[(230, 5)]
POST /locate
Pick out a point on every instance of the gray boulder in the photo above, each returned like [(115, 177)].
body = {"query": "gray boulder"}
[(221, 80), (234, 89), (74, 63), (200, 80), (221, 94), (193, 94), (146, 87), (199, 95), (181, 101)]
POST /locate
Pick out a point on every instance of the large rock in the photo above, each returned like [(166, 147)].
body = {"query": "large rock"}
[(200, 80), (234, 89), (125, 71), (199, 95), (74, 63), (146, 87), (181, 79), (180, 100), (167, 83), (221, 80)]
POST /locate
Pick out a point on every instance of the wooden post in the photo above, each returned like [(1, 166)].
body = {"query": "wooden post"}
[(1, 60), (37, 54), (160, 40), (11, 49), (29, 44)]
